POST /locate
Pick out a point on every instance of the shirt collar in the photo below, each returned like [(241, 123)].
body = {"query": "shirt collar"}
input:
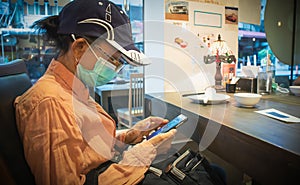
[(68, 80)]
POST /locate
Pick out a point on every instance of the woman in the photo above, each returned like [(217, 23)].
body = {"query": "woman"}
[(65, 133)]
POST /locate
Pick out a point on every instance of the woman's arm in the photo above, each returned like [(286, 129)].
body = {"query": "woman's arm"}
[(136, 161), (132, 168)]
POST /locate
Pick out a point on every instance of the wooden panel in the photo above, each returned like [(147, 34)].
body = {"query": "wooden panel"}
[(264, 148)]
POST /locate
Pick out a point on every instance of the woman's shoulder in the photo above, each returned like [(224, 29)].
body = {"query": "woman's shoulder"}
[(44, 90)]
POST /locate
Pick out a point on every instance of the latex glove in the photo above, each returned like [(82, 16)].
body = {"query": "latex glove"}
[(145, 152), (162, 142), (143, 128)]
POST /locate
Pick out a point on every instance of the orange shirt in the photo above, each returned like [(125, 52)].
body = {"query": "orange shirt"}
[(65, 134)]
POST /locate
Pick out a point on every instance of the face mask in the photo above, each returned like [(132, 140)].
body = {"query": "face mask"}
[(102, 73)]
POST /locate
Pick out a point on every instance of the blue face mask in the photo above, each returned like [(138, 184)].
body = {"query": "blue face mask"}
[(102, 73)]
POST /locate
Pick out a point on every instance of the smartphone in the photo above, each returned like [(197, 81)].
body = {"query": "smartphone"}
[(174, 123)]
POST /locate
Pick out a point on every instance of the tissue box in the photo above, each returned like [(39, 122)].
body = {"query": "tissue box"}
[(247, 85)]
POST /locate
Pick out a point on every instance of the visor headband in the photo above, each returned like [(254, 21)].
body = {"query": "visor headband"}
[(106, 25)]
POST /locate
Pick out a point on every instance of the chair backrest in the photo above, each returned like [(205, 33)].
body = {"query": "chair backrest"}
[(14, 81), (136, 93)]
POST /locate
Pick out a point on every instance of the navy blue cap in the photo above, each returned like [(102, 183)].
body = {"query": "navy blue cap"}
[(101, 19)]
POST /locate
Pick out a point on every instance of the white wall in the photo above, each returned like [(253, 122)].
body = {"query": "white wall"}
[(175, 68)]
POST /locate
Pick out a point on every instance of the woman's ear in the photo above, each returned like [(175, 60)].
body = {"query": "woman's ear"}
[(79, 46)]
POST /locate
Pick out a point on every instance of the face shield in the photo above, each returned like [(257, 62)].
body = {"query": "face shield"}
[(131, 57)]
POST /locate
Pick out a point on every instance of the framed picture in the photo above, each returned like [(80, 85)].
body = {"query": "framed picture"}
[(209, 19), (231, 15), (177, 10)]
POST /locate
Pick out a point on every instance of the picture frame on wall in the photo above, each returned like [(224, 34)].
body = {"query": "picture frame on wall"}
[(231, 15), (176, 10), (208, 19)]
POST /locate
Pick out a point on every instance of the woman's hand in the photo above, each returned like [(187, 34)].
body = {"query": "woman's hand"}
[(143, 128), (145, 152), (162, 142)]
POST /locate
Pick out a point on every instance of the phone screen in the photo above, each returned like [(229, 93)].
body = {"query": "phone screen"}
[(174, 123), (277, 115)]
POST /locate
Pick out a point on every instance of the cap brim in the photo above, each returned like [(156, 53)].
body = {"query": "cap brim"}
[(132, 56)]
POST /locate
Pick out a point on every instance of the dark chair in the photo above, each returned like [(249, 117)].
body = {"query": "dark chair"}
[(14, 81)]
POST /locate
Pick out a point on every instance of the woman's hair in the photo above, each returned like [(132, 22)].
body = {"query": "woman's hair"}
[(49, 27)]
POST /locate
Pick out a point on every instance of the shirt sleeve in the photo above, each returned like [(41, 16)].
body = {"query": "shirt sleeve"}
[(57, 153), (52, 145)]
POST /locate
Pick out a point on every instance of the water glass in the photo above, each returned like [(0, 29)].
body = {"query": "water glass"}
[(264, 82)]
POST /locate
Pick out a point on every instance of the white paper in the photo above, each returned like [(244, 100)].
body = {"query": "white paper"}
[(250, 71), (273, 113)]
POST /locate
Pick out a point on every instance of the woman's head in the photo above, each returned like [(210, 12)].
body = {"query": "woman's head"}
[(81, 22)]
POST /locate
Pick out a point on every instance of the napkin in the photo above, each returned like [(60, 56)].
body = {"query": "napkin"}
[(250, 71)]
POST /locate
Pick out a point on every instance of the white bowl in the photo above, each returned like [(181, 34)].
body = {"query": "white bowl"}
[(295, 90), (247, 99)]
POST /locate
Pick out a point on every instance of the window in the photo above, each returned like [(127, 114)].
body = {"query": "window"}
[(135, 13), (254, 48), (30, 9), (37, 11), (45, 9)]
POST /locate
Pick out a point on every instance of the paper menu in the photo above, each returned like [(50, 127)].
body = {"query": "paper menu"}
[(273, 113)]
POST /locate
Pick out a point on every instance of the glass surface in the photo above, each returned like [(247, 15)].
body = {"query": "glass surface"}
[(42, 9), (134, 10), (264, 82), (254, 49), (30, 9), (35, 49)]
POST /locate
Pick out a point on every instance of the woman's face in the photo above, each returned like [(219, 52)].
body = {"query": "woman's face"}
[(100, 48)]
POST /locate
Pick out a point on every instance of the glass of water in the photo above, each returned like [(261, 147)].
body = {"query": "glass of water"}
[(264, 82)]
